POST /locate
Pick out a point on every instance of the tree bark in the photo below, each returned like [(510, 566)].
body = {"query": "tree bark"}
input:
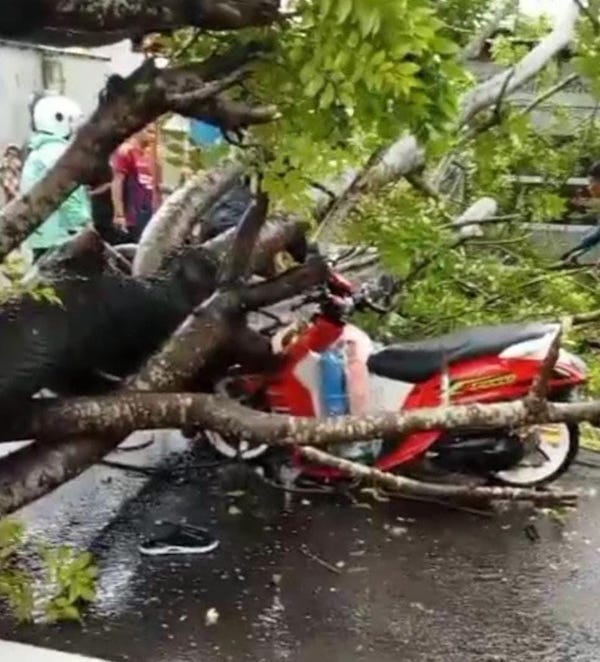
[(22, 475), (276, 236), (463, 493), (486, 94), (39, 468), (124, 413), (174, 221), (100, 22), (403, 157), (481, 209), (238, 263)]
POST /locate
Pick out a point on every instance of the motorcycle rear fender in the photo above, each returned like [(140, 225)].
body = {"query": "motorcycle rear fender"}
[(484, 380)]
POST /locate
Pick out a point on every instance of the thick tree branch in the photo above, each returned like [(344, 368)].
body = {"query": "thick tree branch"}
[(403, 157), (288, 285), (123, 413), (483, 208), (238, 262), (178, 215), (277, 236), (94, 23), (486, 94), (213, 330)]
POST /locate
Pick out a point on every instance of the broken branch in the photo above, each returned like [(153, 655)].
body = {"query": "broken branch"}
[(536, 399), (550, 92), (463, 493)]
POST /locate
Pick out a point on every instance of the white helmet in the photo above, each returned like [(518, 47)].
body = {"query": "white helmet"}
[(56, 115)]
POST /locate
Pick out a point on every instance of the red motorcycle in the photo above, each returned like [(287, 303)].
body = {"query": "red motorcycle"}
[(487, 364)]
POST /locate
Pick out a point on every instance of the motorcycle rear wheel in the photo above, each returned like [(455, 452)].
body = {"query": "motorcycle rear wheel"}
[(557, 447)]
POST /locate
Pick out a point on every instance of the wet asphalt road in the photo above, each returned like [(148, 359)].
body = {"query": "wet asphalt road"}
[(415, 582)]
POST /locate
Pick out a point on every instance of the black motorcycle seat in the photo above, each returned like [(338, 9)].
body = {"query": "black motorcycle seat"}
[(415, 362)]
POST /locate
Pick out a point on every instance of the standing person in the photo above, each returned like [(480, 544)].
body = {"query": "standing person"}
[(136, 182), (54, 119), (593, 203), (10, 169)]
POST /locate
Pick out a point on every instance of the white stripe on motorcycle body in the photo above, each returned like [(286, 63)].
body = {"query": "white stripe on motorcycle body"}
[(536, 349), (308, 373), (388, 394)]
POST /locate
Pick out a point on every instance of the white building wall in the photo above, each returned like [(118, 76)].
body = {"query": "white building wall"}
[(22, 73)]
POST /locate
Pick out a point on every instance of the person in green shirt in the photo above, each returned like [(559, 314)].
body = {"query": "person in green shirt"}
[(54, 119)]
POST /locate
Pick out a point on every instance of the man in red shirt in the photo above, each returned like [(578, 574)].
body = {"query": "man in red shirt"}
[(136, 182)]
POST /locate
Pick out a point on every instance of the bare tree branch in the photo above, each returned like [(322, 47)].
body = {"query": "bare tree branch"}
[(238, 262), (403, 157), (550, 92), (495, 118), (484, 208), (468, 494), (277, 236), (537, 398), (122, 414), (125, 412)]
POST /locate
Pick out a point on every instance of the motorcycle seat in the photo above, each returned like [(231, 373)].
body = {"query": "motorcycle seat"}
[(415, 362)]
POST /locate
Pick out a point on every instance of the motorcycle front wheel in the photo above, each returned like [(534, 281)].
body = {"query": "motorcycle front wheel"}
[(554, 448)]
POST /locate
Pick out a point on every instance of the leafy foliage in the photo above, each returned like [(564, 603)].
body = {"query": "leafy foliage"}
[(68, 577), (72, 578), (15, 583), (587, 46), (12, 271), (346, 76)]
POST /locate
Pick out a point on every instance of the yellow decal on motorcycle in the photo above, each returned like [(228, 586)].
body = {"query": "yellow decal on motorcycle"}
[(481, 383)]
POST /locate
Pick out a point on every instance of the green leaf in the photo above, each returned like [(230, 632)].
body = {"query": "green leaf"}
[(367, 17), (70, 613), (325, 7), (343, 11), (327, 97), (314, 85)]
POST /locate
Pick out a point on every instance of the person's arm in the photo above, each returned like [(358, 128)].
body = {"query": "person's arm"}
[(121, 165), (116, 189)]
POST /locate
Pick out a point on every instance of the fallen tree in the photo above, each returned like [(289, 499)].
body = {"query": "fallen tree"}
[(199, 90), (58, 426)]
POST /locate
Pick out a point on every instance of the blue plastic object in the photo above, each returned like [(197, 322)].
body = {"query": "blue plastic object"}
[(334, 397), (204, 134)]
